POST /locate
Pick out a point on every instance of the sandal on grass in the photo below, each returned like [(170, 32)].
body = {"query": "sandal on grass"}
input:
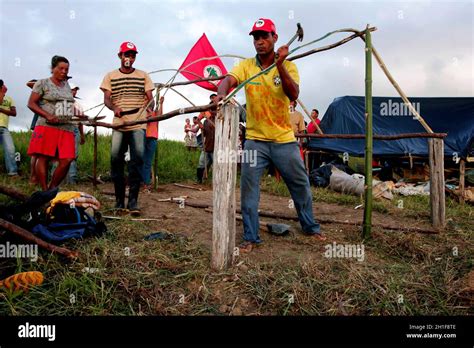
[(246, 247)]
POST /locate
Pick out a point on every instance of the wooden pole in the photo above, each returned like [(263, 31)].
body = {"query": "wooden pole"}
[(223, 180), (437, 194), (30, 237), (367, 224), (462, 180), (402, 94), (94, 165), (155, 162)]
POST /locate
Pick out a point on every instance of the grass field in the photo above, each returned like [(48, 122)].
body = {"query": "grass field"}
[(172, 277)]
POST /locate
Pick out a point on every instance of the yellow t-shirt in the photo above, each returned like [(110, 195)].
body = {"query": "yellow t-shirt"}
[(7, 104), (268, 116), (128, 93)]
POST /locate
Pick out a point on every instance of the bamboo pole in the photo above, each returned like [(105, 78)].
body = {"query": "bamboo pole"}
[(309, 115), (223, 181), (367, 225), (394, 83)]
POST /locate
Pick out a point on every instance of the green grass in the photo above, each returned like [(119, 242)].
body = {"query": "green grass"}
[(175, 162), (173, 277)]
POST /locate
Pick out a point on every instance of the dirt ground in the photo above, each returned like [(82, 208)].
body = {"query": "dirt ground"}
[(196, 223)]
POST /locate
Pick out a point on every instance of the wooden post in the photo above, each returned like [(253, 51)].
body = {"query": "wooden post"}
[(155, 162), (223, 181), (94, 165), (462, 180), (437, 194), (367, 225)]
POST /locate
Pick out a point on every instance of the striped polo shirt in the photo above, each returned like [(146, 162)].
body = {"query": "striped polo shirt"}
[(128, 93)]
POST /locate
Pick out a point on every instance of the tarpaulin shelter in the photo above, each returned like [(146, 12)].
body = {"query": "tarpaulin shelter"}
[(345, 115)]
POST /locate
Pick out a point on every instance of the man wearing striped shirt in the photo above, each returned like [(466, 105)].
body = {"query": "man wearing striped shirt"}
[(128, 93)]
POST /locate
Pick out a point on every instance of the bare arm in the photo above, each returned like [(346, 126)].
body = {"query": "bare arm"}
[(225, 86), (108, 102), (33, 105), (11, 112), (290, 87)]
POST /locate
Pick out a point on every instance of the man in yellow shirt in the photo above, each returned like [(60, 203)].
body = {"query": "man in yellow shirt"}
[(7, 110), (269, 133)]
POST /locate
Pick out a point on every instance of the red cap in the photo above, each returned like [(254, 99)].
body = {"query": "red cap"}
[(264, 24), (127, 46)]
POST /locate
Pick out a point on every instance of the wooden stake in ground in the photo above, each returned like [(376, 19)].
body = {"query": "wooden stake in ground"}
[(155, 163), (367, 226), (223, 181), (437, 194), (94, 165), (462, 180)]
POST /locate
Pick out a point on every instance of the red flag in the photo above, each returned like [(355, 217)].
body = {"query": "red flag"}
[(203, 68)]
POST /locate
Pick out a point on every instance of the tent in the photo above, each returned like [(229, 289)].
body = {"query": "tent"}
[(345, 115)]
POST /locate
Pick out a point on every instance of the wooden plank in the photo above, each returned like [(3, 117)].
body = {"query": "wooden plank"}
[(375, 136), (223, 180), (437, 193), (30, 237)]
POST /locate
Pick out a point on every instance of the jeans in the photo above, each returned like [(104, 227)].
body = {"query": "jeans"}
[(209, 159), (8, 151), (72, 174), (287, 159), (121, 141), (150, 148)]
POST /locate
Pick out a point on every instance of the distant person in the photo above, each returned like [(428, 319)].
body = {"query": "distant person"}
[(314, 119), (128, 93), (296, 119), (208, 130), (7, 110), (190, 139), (79, 138), (33, 178), (151, 139), (53, 137), (195, 129)]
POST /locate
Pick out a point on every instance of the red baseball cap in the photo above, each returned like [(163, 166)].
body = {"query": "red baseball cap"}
[(127, 46), (263, 24)]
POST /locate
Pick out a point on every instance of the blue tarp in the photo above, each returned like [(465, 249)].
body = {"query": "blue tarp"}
[(345, 115)]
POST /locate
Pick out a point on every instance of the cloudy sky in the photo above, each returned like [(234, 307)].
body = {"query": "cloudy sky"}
[(427, 45)]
